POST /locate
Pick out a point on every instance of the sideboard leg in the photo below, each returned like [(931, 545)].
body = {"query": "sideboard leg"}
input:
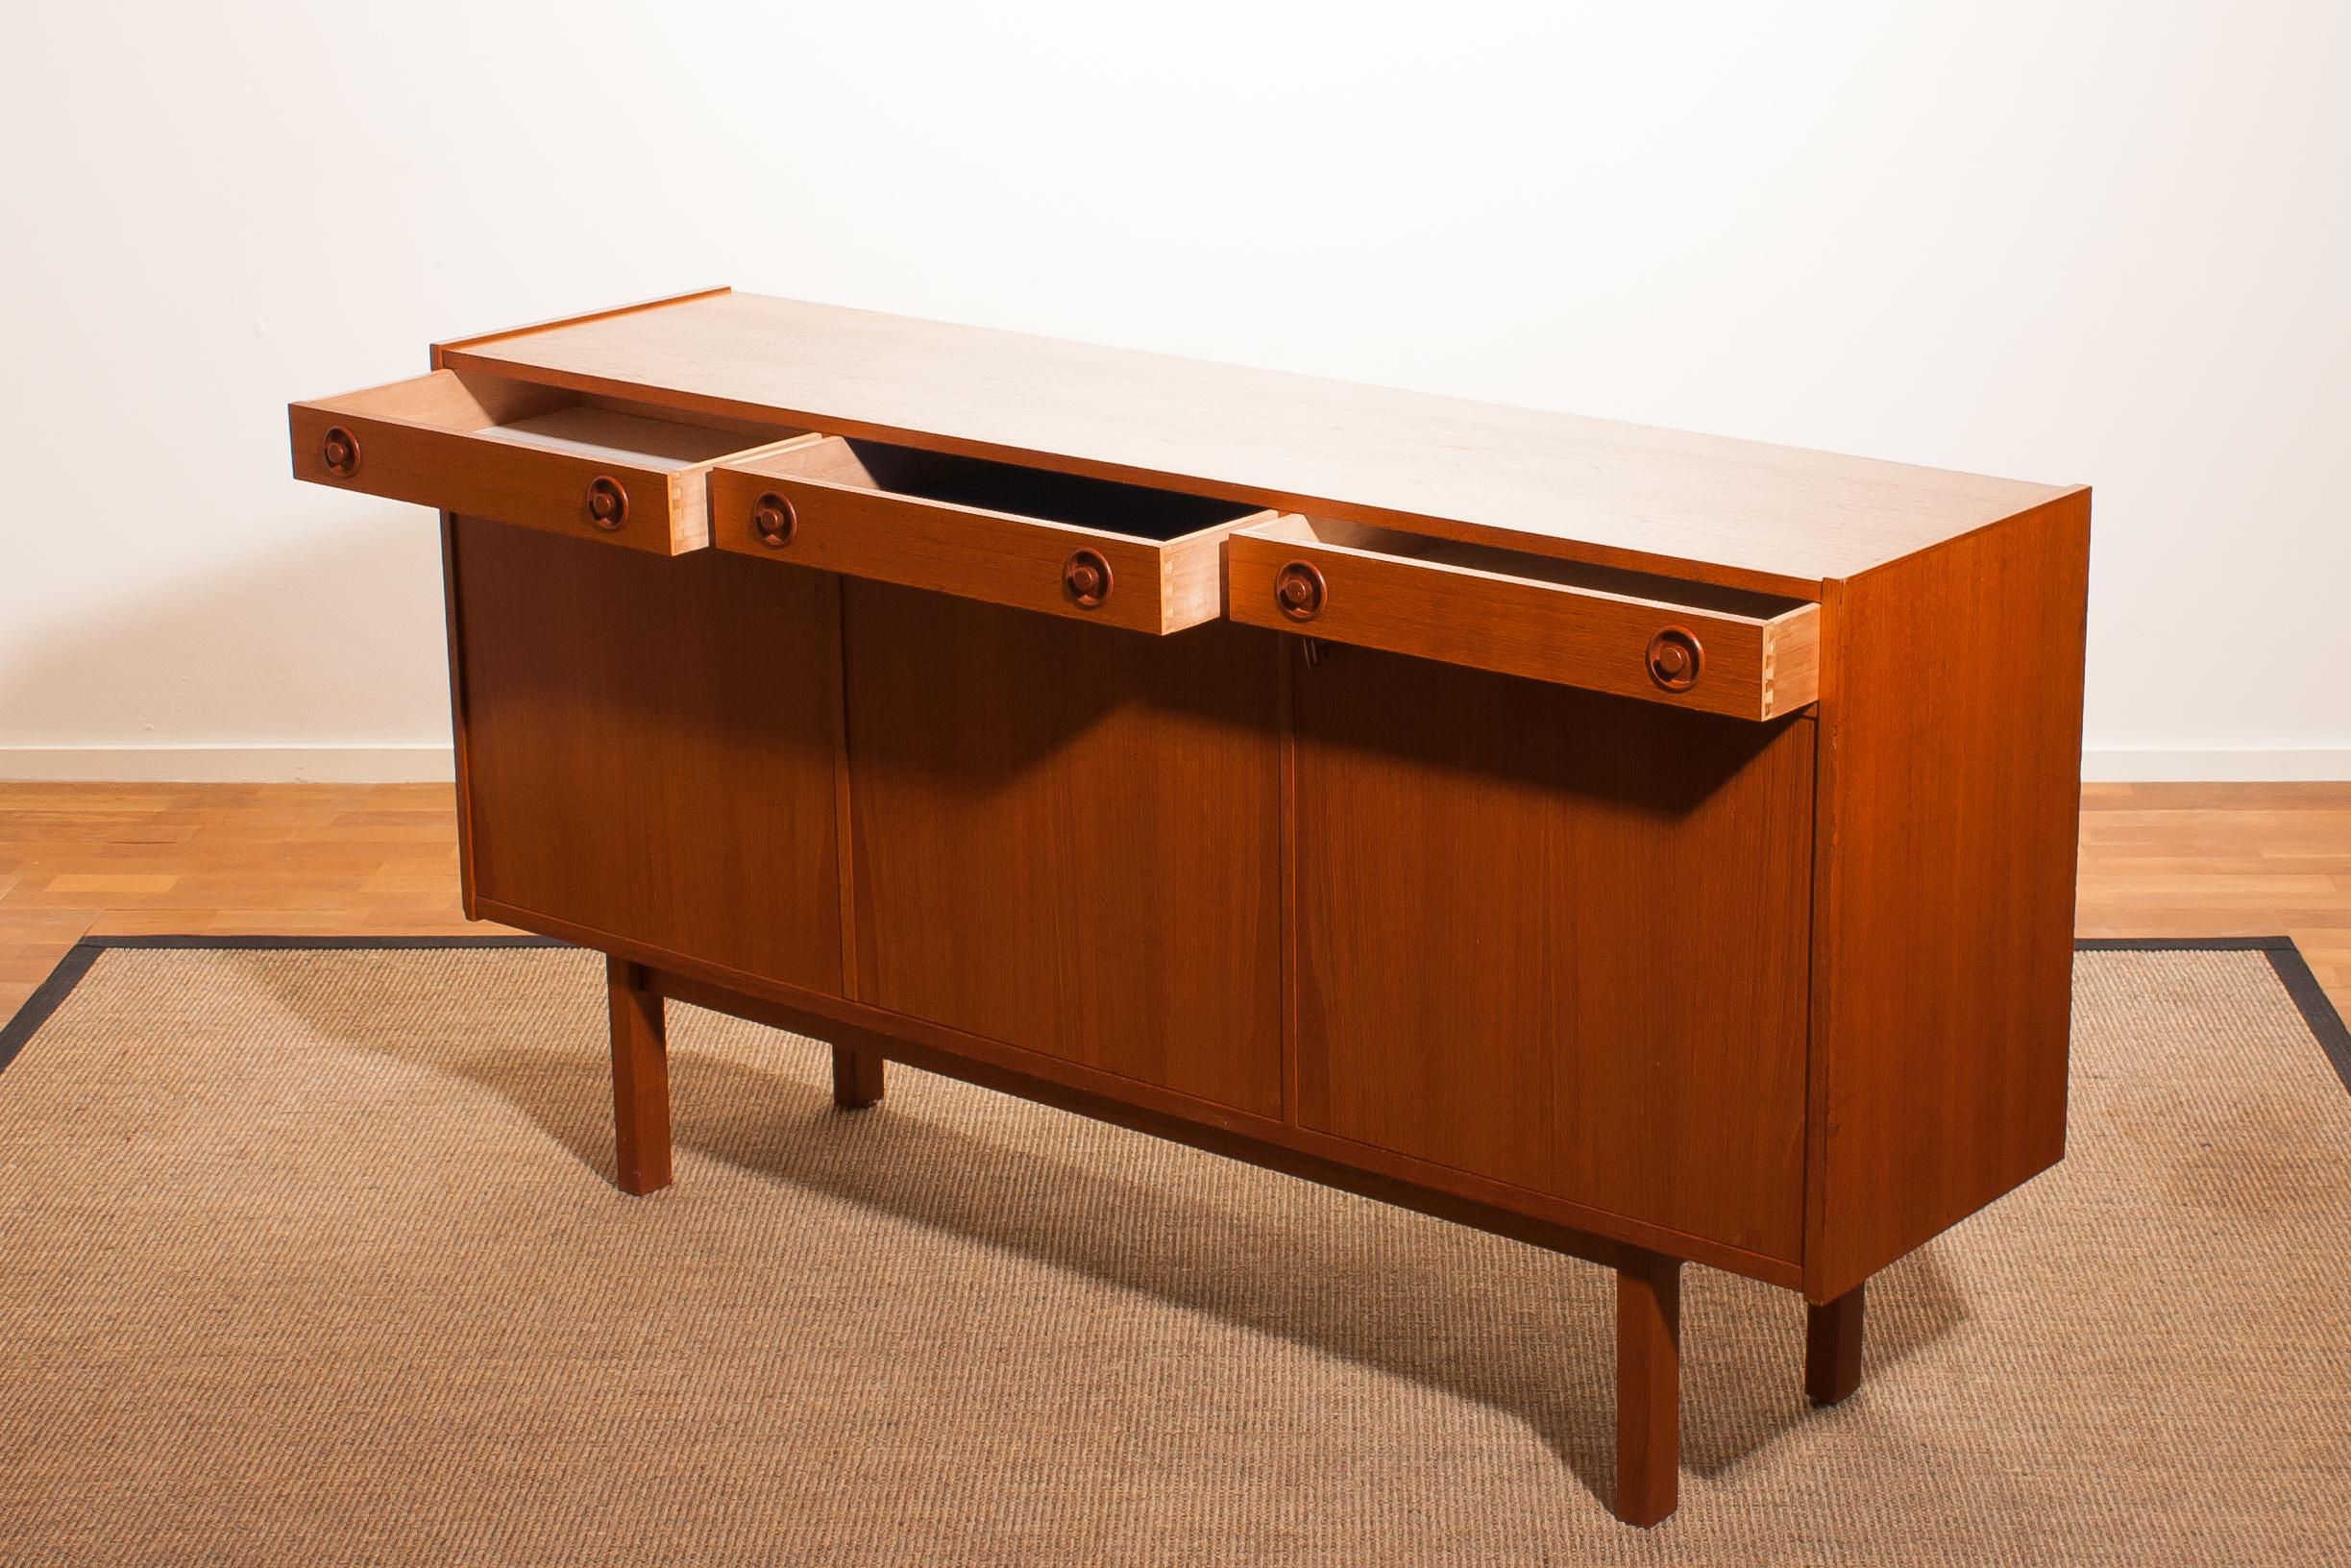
[(640, 1079), (1647, 1387), (1832, 1348), (857, 1078)]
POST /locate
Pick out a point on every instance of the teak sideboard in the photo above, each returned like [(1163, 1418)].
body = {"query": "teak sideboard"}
[(1651, 847)]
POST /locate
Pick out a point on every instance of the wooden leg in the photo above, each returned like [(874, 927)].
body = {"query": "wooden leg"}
[(640, 1080), (1647, 1387), (857, 1078), (1832, 1348)]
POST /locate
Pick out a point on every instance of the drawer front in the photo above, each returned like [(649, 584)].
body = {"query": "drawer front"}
[(989, 557), (1555, 940), (1712, 650), (484, 476), (513, 453), (823, 506)]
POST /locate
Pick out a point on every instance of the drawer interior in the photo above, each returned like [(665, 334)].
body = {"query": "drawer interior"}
[(609, 429), (592, 430), (1363, 538), (1106, 506)]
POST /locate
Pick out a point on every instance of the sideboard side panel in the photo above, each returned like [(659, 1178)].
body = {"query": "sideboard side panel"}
[(1951, 783), (651, 746)]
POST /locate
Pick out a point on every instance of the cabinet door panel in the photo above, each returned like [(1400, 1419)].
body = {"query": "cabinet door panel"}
[(652, 747), (1558, 939), (1066, 837)]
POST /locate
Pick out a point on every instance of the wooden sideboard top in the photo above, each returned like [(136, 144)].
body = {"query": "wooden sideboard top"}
[(1740, 513)]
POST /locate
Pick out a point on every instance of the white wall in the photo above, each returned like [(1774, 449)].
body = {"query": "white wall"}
[(2101, 243)]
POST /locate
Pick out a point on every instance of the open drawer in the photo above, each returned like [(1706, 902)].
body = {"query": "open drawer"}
[(1123, 554), (515, 451), (1719, 649)]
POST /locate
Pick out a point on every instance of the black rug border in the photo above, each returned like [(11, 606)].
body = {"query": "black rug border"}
[(51, 993), (2293, 972), (2292, 969)]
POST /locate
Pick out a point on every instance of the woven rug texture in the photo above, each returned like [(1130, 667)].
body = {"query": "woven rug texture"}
[(312, 1256)]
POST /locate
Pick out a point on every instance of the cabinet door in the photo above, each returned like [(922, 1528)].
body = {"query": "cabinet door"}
[(652, 747), (1558, 939), (1066, 837)]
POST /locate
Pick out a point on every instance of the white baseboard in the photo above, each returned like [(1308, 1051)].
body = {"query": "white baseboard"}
[(427, 763), (2264, 766), (423, 763)]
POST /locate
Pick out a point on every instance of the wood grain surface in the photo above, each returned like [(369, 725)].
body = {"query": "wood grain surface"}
[(1556, 939), (859, 1078), (525, 455), (848, 521), (651, 746), (1772, 518), (1648, 1388), (1505, 612), (1067, 837), (1832, 1347), (640, 1079), (1951, 725), (1236, 1137)]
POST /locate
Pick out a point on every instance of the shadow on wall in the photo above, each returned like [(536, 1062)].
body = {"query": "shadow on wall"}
[(334, 639)]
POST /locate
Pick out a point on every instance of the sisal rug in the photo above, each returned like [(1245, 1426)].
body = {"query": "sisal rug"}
[(310, 1257)]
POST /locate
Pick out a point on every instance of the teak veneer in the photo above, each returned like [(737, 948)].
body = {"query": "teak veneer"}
[(1651, 847)]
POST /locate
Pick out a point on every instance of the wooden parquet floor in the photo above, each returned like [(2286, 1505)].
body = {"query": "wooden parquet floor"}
[(2187, 860)]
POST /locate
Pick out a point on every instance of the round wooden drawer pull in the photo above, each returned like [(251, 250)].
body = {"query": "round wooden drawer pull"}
[(1087, 577), (607, 503), (1298, 588), (340, 450), (1675, 659), (775, 521)]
